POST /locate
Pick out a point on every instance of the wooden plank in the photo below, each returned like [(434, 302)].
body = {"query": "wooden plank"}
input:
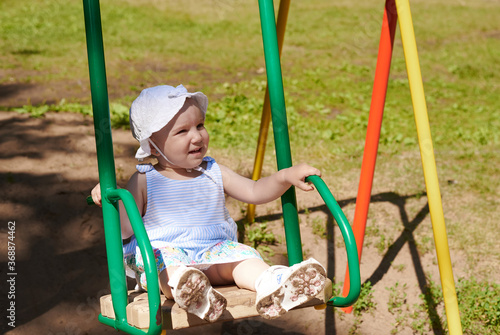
[(240, 304)]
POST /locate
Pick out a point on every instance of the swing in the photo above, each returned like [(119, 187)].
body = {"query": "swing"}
[(148, 313)]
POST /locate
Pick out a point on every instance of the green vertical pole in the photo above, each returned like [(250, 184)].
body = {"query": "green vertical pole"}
[(105, 157), (280, 127), (110, 194)]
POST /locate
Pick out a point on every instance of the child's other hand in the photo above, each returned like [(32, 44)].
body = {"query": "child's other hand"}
[(96, 195), (297, 174)]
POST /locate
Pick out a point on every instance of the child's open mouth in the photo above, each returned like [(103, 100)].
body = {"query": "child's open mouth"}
[(197, 151)]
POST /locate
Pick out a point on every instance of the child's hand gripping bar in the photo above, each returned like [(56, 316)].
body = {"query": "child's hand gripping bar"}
[(350, 244)]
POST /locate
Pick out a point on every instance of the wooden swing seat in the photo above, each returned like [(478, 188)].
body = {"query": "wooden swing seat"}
[(240, 304)]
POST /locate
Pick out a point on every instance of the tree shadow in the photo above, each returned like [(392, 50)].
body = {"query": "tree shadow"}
[(59, 244), (10, 90)]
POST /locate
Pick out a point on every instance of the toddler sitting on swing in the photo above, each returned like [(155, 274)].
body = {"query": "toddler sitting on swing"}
[(182, 203)]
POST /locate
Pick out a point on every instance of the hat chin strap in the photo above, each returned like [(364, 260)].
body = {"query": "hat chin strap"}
[(198, 168)]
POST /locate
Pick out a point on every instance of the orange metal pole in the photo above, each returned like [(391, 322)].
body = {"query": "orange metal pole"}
[(373, 132)]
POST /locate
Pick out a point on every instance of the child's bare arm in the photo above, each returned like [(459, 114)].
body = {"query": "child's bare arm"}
[(136, 186), (268, 188)]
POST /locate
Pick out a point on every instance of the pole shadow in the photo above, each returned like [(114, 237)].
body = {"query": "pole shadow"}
[(406, 236)]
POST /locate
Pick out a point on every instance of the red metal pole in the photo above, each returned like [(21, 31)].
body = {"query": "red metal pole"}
[(373, 132)]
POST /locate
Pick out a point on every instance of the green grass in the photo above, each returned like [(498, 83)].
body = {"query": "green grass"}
[(328, 63), (478, 303)]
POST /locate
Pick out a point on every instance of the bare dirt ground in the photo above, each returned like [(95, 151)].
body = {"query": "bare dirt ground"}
[(48, 167)]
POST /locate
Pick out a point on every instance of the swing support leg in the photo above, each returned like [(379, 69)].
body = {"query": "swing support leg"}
[(429, 167), (373, 130), (393, 9)]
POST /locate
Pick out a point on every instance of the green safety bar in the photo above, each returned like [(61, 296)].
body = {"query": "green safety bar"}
[(110, 193), (349, 240)]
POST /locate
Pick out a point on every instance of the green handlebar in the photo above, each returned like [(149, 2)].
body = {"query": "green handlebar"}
[(147, 253), (149, 262), (90, 201), (349, 240)]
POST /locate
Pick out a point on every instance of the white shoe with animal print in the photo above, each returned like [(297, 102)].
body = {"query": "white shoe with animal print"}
[(192, 292), (281, 288)]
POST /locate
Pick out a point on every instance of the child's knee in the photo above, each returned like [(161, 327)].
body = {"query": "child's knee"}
[(220, 274)]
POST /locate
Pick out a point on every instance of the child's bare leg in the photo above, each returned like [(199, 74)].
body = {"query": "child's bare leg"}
[(163, 277), (246, 273), (243, 273)]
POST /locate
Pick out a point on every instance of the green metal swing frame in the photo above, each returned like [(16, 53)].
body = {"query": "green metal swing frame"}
[(111, 195)]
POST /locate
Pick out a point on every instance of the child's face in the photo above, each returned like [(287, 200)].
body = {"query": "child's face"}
[(184, 140)]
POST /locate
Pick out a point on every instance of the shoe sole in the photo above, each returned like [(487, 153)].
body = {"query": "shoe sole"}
[(302, 285), (194, 293)]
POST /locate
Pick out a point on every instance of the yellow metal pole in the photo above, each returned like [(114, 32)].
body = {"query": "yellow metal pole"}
[(266, 110), (429, 166)]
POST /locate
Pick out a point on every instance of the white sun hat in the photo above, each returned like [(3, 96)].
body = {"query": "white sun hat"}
[(154, 108)]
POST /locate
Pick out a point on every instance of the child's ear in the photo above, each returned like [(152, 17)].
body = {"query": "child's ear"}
[(153, 150)]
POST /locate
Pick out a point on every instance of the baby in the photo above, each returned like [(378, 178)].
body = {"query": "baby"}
[(182, 202)]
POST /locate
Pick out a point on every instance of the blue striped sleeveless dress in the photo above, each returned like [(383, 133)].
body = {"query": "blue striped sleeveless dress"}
[(187, 223)]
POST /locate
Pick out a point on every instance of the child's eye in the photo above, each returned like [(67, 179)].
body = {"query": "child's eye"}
[(201, 126), (182, 131)]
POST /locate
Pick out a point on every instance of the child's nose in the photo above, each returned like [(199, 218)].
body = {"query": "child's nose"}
[(196, 136)]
